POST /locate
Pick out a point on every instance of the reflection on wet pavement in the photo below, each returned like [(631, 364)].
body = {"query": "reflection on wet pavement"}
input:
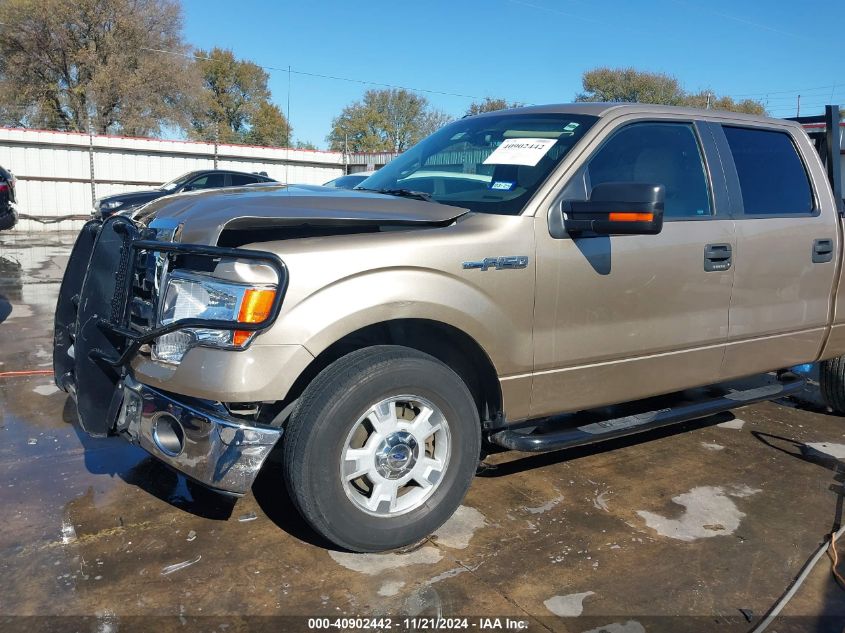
[(96, 527)]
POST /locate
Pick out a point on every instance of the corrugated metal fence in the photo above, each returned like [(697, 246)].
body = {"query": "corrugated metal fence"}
[(60, 173)]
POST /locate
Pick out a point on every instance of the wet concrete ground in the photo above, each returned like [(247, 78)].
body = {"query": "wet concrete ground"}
[(666, 532)]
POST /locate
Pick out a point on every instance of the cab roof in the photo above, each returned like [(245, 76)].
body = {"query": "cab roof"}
[(600, 109)]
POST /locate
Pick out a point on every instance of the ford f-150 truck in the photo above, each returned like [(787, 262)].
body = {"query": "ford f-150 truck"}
[(499, 285)]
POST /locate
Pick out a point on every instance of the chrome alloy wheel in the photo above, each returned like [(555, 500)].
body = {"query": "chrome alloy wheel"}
[(395, 455)]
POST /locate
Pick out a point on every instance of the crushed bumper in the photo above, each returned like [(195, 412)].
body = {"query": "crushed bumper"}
[(195, 438)]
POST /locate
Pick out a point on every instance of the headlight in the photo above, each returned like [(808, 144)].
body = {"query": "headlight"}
[(113, 204), (198, 296)]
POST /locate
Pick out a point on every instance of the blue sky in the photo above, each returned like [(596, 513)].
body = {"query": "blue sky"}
[(533, 51)]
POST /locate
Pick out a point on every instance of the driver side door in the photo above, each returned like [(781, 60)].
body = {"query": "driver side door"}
[(623, 317)]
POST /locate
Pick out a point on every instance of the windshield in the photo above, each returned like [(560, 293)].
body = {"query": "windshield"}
[(178, 182), (489, 164)]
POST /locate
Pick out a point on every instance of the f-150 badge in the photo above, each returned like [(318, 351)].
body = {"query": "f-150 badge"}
[(499, 263)]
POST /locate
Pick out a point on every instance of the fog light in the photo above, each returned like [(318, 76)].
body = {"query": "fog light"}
[(168, 434), (170, 348)]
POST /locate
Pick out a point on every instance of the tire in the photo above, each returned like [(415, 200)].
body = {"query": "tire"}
[(336, 431), (832, 382)]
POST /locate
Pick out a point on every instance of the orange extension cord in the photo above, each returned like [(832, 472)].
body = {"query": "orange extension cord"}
[(834, 560), (31, 372)]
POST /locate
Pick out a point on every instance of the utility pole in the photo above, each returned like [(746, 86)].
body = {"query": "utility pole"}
[(798, 109), (216, 140), (708, 99), (91, 160)]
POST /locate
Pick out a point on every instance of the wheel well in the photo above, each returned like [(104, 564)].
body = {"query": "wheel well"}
[(448, 344)]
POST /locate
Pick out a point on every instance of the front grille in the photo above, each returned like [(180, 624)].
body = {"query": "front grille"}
[(143, 301)]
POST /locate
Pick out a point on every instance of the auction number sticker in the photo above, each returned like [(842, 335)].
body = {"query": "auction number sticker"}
[(520, 151)]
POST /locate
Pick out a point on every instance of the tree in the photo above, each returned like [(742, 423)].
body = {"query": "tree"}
[(305, 145), (389, 120), (706, 98), (631, 85), (234, 102), (269, 127), (490, 105), (65, 61)]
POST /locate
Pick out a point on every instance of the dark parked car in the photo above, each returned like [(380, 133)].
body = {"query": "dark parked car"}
[(349, 181), (192, 181), (8, 215)]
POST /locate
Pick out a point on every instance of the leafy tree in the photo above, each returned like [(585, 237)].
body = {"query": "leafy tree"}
[(305, 145), (389, 120), (490, 104), (702, 98), (632, 85), (268, 127), (234, 102), (63, 61)]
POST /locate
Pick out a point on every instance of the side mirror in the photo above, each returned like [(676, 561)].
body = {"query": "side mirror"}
[(617, 208)]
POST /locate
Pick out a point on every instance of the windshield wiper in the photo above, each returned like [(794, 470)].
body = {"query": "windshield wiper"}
[(402, 193)]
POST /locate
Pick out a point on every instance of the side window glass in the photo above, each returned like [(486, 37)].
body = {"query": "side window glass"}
[(665, 154), (239, 180), (207, 182), (772, 177)]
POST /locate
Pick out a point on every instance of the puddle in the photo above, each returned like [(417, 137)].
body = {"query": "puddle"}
[(834, 450), (569, 606), (600, 502), (546, 506), (708, 511), (631, 626), (458, 530), (372, 564), (390, 588), (46, 390)]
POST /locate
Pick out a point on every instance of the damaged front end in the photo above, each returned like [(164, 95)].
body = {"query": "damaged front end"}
[(126, 293)]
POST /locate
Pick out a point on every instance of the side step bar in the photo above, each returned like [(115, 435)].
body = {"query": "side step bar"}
[(565, 432)]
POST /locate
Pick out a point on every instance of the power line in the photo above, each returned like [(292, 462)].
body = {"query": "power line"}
[(322, 76)]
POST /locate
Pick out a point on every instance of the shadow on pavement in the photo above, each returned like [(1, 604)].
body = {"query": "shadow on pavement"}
[(116, 457), (832, 616)]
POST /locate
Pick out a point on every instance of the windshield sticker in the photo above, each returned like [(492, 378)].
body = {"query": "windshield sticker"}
[(571, 127), (502, 185), (520, 151)]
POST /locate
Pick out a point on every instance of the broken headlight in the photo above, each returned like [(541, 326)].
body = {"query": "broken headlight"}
[(200, 296)]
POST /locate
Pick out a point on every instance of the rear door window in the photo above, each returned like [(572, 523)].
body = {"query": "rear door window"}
[(772, 177), (665, 154), (238, 180)]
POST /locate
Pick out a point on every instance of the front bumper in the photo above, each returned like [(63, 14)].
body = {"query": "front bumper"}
[(196, 438)]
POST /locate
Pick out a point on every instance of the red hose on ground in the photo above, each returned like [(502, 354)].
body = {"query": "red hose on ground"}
[(31, 372)]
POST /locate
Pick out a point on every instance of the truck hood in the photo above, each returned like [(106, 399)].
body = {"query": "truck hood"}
[(204, 215)]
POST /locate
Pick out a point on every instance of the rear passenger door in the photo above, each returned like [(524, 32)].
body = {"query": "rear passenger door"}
[(786, 243), (628, 316)]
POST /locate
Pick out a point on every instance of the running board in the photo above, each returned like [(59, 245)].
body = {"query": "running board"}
[(571, 430)]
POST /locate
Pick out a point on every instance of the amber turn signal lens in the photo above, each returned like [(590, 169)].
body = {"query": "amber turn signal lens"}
[(255, 308), (631, 217)]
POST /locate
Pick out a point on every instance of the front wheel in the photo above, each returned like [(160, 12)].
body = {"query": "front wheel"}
[(832, 383), (381, 448)]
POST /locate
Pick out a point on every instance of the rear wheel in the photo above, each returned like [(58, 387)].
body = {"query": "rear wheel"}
[(832, 382), (381, 448)]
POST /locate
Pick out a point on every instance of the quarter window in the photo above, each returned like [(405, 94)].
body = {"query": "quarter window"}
[(772, 177), (665, 154)]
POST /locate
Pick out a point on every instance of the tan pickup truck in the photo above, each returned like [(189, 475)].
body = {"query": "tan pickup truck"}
[(498, 286)]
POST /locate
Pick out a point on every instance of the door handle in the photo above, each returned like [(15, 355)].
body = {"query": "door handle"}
[(822, 250), (717, 257)]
